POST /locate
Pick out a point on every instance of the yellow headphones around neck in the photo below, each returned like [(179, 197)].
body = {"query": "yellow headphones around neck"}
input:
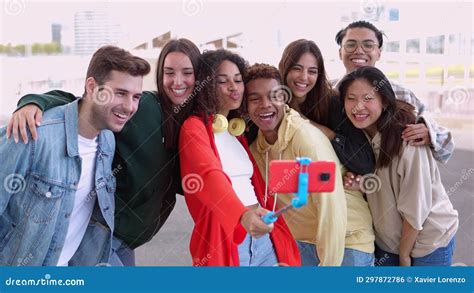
[(236, 126)]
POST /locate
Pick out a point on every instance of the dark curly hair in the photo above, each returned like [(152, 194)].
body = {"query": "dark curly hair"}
[(207, 101), (262, 70), (256, 71)]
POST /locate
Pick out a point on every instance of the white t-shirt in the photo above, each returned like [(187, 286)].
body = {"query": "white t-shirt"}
[(237, 165), (84, 200)]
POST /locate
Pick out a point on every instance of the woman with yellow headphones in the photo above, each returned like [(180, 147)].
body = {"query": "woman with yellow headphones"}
[(223, 189)]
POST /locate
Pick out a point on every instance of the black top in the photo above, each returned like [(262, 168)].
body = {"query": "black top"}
[(350, 144)]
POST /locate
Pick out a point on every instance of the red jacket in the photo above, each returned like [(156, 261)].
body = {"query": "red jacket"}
[(215, 207)]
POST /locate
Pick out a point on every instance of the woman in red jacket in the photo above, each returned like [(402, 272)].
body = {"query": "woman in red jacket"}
[(223, 189)]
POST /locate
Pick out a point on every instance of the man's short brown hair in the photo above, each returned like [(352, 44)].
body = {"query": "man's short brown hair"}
[(110, 58)]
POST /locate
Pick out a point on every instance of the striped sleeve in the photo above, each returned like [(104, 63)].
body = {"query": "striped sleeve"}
[(442, 143)]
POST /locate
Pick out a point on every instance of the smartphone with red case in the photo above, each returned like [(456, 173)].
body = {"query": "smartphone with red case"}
[(284, 176)]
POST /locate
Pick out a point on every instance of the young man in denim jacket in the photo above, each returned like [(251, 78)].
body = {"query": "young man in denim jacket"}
[(57, 192)]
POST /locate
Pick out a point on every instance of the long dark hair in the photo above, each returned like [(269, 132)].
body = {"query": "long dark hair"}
[(316, 104), (173, 119), (207, 100), (395, 115)]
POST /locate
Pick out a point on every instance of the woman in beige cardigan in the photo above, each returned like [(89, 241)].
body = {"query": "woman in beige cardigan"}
[(415, 222)]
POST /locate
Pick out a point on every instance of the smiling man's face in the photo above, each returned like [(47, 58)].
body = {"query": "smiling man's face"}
[(265, 106), (360, 56)]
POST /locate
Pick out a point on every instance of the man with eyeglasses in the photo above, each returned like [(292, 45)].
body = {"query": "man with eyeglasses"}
[(360, 45)]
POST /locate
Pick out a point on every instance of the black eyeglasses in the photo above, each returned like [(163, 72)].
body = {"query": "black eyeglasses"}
[(367, 46)]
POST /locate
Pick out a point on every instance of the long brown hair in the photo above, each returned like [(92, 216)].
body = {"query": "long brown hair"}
[(173, 119), (395, 115), (316, 104)]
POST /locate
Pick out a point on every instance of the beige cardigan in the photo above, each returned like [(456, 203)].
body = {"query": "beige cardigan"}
[(411, 188)]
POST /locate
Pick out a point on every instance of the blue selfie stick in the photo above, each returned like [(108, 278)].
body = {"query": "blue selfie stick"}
[(301, 198)]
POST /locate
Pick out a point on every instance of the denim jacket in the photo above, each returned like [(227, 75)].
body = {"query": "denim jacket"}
[(38, 183)]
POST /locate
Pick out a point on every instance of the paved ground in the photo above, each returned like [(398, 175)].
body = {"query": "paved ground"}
[(170, 246)]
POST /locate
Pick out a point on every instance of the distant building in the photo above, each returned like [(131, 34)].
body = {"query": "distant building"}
[(93, 29), (56, 33)]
